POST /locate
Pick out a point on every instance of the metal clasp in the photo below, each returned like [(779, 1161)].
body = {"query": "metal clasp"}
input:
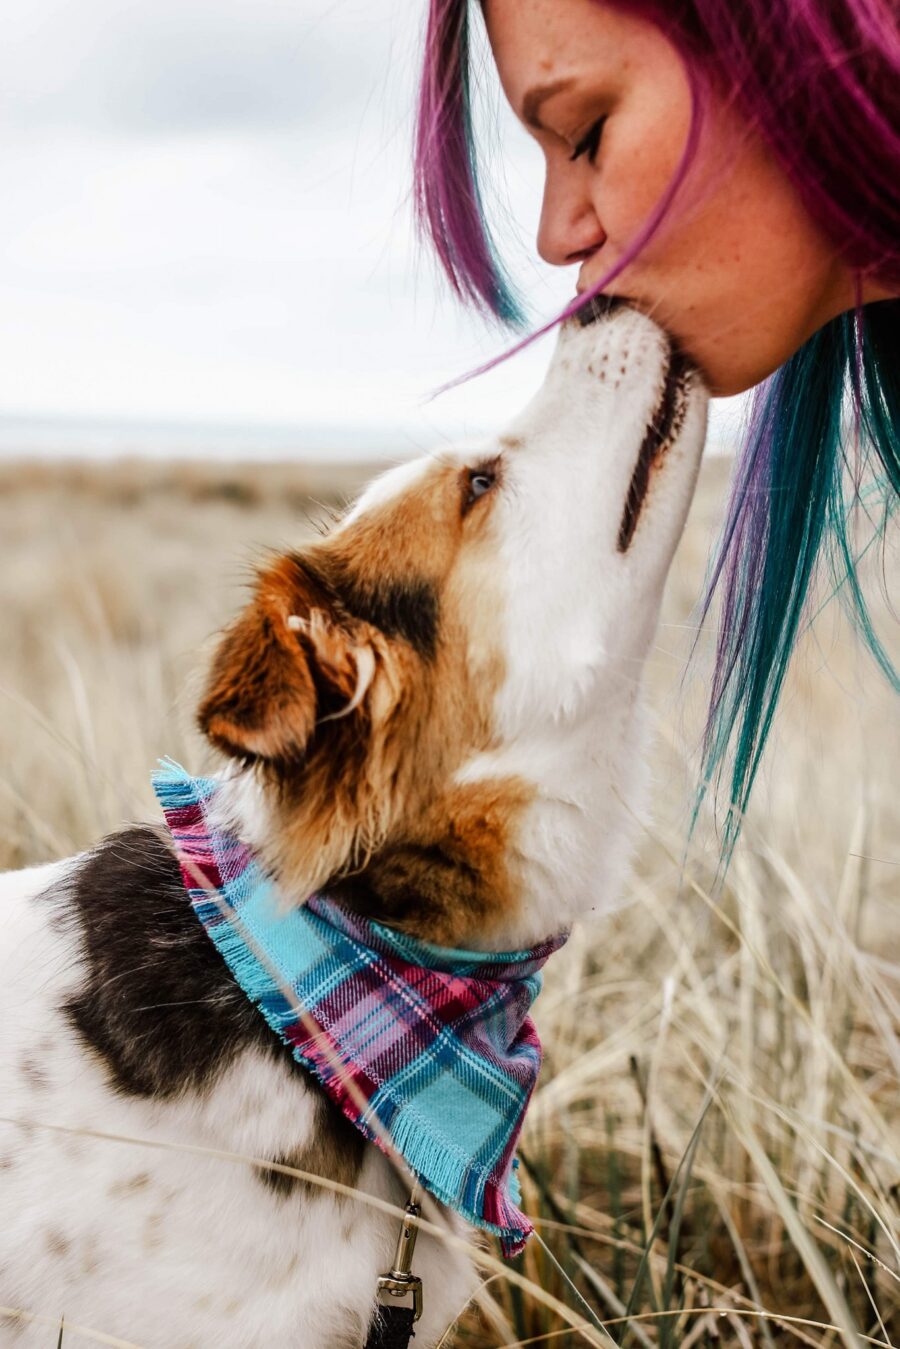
[(400, 1281)]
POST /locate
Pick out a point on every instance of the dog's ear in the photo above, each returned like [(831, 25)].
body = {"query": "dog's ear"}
[(288, 663)]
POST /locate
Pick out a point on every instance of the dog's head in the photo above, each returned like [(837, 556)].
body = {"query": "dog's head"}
[(433, 709)]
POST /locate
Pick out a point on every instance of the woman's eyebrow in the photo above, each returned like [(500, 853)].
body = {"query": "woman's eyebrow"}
[(535, 98)]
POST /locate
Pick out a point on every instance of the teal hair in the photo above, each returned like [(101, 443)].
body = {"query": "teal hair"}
[(797, 497)]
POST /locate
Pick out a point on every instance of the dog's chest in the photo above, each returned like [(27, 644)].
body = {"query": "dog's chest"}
[(170, 1242)]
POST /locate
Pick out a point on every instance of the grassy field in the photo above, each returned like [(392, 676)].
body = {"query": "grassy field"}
[(713, 1150)]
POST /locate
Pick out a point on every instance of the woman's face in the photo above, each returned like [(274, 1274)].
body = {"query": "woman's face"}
[(743, 277)]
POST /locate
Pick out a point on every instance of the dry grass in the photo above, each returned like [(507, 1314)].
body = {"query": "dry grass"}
[(739, 1053)]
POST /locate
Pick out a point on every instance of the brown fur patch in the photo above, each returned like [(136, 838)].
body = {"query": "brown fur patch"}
[(58, 1243), (335, 1153), (397, 615), (452, 877), (130, 1185), (415, 534), (262, 697), (33, 1074)]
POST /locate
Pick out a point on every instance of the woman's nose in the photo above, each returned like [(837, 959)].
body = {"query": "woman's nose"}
[(569, 229)]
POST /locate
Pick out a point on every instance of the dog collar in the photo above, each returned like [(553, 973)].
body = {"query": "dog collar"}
[(429, 1051)]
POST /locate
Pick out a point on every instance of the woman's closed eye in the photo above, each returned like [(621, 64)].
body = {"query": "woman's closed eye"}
[(590, 141)]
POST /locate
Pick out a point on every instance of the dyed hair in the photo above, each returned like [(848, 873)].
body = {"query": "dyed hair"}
[(819, 80)]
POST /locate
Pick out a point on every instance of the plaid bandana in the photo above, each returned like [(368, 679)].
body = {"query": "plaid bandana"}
[(437, 1043)]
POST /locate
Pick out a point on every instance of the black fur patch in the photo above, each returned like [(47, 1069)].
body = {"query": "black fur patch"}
[(599, 307), (406, 608), (415, 887), (663, 427), (159, 1004)]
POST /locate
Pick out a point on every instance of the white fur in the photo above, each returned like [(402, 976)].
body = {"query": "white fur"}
[(580, 616), (388, 486), (169, 1249)]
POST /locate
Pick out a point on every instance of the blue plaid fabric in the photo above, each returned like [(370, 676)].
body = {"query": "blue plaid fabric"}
[(429, 1051)]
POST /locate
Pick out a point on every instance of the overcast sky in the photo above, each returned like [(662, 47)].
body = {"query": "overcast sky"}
[(206, 217)]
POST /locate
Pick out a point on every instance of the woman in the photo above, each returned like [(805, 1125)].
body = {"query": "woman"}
[(733, 167)]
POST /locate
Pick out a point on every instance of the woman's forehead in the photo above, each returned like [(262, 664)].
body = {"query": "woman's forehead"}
[(545, 48)]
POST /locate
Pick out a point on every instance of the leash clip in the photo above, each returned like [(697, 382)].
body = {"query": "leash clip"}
[(399, 1281)]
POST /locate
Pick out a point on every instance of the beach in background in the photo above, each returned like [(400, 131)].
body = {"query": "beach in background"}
[(711, 1152)]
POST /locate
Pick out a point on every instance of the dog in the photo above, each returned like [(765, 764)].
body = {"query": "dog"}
[(433, 713)]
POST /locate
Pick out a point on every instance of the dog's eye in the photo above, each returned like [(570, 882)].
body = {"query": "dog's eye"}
[(478, 482)]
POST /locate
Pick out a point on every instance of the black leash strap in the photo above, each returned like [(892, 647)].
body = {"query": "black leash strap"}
[(392, 1327)]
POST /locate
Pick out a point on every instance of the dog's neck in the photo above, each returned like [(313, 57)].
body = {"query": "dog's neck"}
[(569, 853)]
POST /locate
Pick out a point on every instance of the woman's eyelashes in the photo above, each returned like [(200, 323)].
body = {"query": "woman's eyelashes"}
[(590, 142)]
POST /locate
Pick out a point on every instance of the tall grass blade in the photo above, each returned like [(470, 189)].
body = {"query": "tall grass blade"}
[(812, 1256)]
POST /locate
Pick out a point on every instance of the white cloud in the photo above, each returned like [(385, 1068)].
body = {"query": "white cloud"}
[(206, 217)]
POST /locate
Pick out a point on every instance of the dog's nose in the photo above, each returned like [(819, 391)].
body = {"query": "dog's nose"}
[(599, 307)]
